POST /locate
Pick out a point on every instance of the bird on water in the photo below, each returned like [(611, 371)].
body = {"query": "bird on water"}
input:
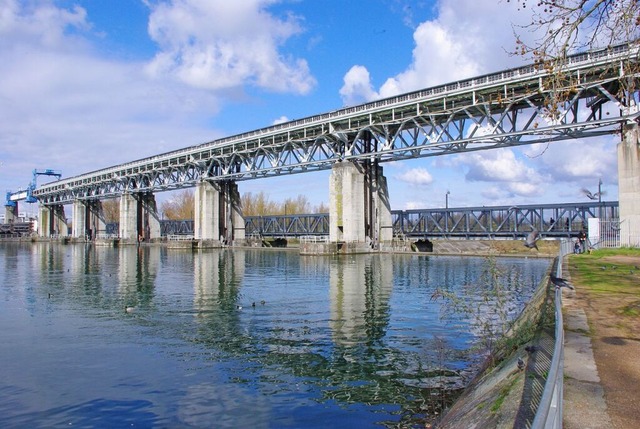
[(560, 282), (531, 239)]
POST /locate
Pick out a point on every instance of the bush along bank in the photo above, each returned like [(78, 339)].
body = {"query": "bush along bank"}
[(508, 387)]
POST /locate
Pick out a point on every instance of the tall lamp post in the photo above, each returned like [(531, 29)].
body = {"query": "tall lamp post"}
[(446, 199)]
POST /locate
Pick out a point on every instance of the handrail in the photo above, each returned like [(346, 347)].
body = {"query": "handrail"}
[(549, 413)]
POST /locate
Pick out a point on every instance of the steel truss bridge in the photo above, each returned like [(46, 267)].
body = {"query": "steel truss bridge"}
[(503, 109), (552, 220)]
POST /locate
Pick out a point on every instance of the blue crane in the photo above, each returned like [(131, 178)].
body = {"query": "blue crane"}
[(27, 194)]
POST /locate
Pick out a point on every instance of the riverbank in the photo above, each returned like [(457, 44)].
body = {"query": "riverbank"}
[(506, 394), (602, 377)]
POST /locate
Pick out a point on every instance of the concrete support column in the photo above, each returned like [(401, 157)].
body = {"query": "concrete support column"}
[(128, 218), (359, 209), (346, 204), (148, 217), (629, 185), (11, 213), (58, 218), (383, 224), (207, 217), (44, 221), (218, 213), (96, 222), (78, 220), (236, 228), (139, 218)]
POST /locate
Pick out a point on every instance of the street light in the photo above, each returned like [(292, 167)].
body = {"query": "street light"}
[(446, 199)]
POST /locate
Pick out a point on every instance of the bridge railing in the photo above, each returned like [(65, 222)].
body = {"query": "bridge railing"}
[(549, 413)]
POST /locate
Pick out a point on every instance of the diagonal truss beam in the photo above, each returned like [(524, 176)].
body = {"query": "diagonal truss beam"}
[(504, 109)]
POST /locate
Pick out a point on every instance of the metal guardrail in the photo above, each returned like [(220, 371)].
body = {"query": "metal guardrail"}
[(549, 413), (179, 237)]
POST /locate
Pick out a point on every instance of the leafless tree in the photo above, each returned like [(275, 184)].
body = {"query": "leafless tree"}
[(111, 210), (180, 207), (564, 27)]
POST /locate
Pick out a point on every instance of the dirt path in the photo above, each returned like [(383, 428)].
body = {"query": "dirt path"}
[(614, 321)]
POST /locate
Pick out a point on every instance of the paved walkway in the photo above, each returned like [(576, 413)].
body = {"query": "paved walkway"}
[(584, 404), (602, 365)]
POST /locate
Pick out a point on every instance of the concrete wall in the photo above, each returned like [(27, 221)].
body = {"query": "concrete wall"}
[(629, 185)]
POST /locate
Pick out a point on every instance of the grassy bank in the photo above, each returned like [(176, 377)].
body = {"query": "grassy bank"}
[(611, 272)]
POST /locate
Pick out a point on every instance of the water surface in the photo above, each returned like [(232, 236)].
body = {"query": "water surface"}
[(243, 338)]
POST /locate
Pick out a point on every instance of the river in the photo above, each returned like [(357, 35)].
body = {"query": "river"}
[(151, 337)]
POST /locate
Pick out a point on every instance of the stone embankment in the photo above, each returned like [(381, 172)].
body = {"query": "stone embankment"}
[(507, 392)]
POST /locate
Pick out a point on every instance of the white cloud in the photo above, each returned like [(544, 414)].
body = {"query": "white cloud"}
[(498, 165), (581, 161), (221, 44), (416, 176), (64, 107), (459, 43), (280, 120), (357, 87)]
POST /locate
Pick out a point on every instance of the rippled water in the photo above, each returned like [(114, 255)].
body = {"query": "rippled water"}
[(243, 338)]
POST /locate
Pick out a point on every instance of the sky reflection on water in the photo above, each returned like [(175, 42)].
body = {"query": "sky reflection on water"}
[(243, 338)]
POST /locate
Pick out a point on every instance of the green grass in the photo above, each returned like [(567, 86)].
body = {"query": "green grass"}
[(504, 392), (599, 273)]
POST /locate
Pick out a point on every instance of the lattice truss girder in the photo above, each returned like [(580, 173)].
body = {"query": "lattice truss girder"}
[(500, 110), (501, 220), (289, 225)]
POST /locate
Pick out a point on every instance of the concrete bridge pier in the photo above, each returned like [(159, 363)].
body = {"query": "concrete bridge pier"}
[(78, 219), (96, 222), (629, 185), (11, 213), (139, 219), (88, 219), (218, 214), (359, 210), (52, 221)]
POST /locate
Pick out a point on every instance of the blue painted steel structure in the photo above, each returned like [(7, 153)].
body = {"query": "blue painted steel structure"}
[(27, 194)]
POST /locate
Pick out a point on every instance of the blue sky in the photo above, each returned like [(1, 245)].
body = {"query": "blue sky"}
[(86, 84)]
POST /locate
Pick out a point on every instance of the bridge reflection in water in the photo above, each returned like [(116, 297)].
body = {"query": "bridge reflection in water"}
[(337, 340)]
